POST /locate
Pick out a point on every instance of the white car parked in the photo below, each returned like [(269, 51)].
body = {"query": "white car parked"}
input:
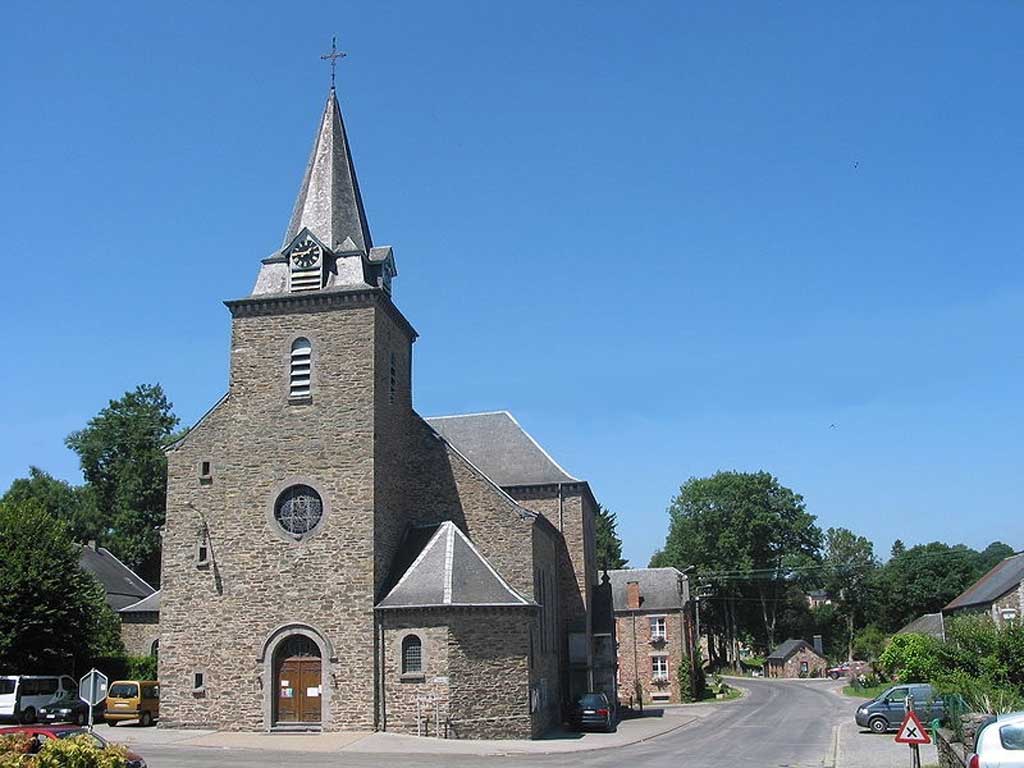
[(1000, 743), (21, 696)]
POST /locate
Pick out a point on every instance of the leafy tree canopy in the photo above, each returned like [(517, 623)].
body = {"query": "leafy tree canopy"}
[(53, 616), (121, 453), (74, 505), (606, 537)]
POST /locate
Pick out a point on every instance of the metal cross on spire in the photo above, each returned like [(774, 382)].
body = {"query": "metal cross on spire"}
[(333, 57)]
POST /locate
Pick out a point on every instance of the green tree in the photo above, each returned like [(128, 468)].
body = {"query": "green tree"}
[(992, 555), (53, 615), (607, 541), (122, 458), (748, 535), (848, 566), (75, 505), (921, 580)]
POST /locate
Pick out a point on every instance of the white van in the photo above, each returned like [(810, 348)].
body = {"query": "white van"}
[(21, 696)]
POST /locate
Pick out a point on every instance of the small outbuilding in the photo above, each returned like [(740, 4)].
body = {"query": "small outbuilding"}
[(795, 658)]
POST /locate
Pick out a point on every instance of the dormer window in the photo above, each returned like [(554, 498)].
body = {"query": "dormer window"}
[(305, 263), (300, 374)]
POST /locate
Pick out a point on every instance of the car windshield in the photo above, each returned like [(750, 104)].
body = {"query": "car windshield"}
[(97, 740), (7, 685), (123, 691), (592, 700)]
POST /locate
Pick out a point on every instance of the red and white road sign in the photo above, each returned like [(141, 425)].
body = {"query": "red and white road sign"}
[(912, 731)]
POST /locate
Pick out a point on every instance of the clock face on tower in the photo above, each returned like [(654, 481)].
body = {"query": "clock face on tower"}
[(305, 253)]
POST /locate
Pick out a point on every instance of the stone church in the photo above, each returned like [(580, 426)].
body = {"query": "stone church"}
[(331, 559)]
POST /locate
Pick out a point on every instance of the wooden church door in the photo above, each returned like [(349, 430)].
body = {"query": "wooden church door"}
[(298, 681)]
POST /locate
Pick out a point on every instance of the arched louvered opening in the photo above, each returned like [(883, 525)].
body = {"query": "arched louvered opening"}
[(301, 373)]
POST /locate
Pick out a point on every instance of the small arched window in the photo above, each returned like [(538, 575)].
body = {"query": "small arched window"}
[(412, 655), (301, 372)]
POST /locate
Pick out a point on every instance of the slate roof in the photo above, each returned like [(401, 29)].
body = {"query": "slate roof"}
[(659, 588), (1003, 577), (928, 624), (788, 648), (149, 604), (500, 448), (329, 202), (446, 570), (122, 585)]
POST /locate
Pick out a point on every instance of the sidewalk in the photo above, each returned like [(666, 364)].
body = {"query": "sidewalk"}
[(656, 721)]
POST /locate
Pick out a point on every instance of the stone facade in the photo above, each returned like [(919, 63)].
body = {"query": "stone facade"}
[(794, 666), (639, 646), (140, 632), (1009, 606), (238, 589)]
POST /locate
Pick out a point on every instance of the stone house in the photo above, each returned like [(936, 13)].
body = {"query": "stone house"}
[(999, 593), (795, 658), (136, 603), (334, 561), (654, 631)]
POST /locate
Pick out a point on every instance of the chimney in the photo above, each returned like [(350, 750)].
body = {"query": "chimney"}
[(818, 649), (633, 595), (92, 544)]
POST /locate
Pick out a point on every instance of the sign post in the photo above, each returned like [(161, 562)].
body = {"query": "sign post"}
[(92, 689), (913, 732)]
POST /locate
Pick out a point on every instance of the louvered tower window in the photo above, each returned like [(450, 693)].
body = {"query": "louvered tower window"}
[(301, 373)]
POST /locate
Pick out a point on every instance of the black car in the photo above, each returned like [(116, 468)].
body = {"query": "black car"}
[(592, 710), (70, 709)]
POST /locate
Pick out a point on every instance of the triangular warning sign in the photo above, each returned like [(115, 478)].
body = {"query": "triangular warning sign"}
[(912, 731)]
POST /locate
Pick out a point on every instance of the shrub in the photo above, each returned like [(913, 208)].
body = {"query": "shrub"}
[(80, 752), (912, 658), (692, 689), (140, 667)]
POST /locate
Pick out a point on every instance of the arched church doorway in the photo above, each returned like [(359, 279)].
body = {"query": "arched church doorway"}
[(297, 681)]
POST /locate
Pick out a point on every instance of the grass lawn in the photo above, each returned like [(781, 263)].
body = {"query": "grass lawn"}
[(866, 693)]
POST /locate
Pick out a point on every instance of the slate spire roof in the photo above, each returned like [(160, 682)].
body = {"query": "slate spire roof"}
[(447, 571), (329, 203)]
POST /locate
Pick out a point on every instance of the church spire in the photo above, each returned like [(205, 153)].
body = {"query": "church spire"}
[(329, 203)]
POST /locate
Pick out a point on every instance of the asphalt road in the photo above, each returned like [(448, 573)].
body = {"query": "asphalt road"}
[(779, 724)]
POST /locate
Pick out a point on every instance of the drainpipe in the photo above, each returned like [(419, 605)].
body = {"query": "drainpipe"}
[(561, 525), (383, 681)]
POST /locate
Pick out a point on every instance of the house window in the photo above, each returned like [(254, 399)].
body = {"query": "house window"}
[(198, 682), (205, 472), (301, 371), (298, 510), (412, 655), (1008, 614), (657, 628), (804, 667), (659, 667)]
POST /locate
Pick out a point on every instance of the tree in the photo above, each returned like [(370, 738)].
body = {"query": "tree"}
[(121, 453), (74, 505), (898, 548), (991, 556), (754, 532), (849, 563), (921, 580), (53, 615), (607, 541)]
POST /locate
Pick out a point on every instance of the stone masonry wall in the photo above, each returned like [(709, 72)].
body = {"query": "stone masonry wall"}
[(139, 631), (488, 665), (548, 642), (405, 705), (1013, 599), (633, 631), (217, 619)]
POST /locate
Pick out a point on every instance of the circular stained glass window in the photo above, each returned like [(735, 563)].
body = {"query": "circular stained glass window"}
[(298, 510)]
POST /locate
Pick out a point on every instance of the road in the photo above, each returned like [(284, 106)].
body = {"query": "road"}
[(784, 724)]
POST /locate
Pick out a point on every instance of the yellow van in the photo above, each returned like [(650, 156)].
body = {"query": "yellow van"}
[(133, 700)]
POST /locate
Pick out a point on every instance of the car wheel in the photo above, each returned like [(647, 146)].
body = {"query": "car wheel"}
[(878, 725), (834, 675), (28, 716), (81, 718), (146, 720)]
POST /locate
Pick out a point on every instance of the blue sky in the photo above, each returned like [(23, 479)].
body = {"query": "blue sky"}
[(671, 238)]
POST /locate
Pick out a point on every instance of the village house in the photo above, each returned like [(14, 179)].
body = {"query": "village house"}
[(796, 658), (331, 559), (999, 593), (654, 632), (136, 603)]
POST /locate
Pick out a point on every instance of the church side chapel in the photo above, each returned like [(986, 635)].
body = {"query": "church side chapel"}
[(334, 561)]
